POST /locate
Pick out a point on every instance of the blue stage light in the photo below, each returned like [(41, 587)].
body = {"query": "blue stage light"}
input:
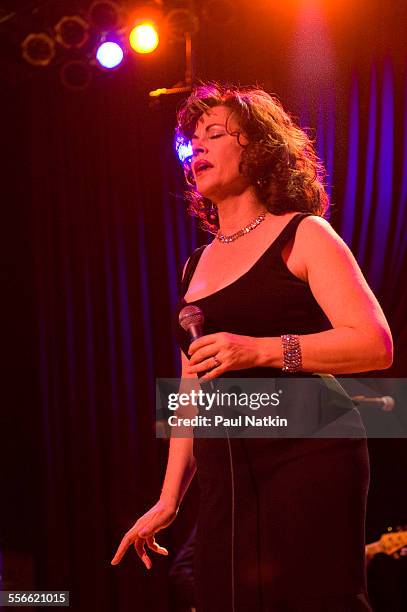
[(183, 149), (109, 55)]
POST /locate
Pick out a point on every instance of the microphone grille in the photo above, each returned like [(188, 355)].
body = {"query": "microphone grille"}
[(388, 403), (190, 315)]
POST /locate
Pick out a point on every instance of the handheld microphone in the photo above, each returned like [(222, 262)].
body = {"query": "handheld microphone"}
[(386, 402), (191, 318)]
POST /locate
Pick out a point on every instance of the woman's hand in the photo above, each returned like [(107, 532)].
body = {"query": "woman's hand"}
[(158, 517), (222, 352)]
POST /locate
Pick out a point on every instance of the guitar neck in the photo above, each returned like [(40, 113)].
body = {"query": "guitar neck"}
[(373, 549)]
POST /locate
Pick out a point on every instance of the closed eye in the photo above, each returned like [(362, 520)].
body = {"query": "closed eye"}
[(216, 136)]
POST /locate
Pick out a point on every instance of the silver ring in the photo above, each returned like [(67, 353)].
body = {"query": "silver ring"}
[(217, 362)]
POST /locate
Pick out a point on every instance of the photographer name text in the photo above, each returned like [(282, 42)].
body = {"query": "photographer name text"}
[(220, 421)]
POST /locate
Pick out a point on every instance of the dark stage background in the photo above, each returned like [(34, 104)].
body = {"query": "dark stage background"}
[(94, 237)]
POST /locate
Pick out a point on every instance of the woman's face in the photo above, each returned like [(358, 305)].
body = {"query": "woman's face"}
[(219, 177)]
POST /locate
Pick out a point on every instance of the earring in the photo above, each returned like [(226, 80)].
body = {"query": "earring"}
[(212, 213)]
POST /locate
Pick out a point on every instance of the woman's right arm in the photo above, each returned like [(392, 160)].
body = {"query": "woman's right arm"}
[(181, 462), (179, 473)]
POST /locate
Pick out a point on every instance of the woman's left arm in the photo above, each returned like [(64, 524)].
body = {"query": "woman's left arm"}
[(360, 340)]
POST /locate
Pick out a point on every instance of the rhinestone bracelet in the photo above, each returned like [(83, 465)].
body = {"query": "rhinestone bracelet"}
[(292, 358)]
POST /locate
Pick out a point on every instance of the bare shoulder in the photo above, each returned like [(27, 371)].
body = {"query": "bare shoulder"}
[(326, 255), (317, 227), (316, 244), (316, 236)]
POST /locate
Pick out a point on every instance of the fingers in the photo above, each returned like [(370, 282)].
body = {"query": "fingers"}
[(139, 545), (205, 352), (202, 366), (141, 551), (202, 341), (214, 373), (156, 547), (123, 546), (157, 518)]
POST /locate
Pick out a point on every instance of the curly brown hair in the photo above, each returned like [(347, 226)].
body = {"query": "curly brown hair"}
[(279, 159)]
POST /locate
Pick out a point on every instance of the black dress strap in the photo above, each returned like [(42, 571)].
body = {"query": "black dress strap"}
[(190, 269), (288, 232)]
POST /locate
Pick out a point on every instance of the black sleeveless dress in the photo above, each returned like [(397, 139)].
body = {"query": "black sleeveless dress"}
[(283, 531)]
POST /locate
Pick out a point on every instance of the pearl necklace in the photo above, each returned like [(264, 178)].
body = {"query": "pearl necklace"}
[(245, 230)]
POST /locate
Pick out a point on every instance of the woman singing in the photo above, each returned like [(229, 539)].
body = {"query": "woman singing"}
[(282, 296)]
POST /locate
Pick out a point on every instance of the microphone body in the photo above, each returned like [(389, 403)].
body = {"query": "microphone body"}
[(386, 402), (195, 332), (191, 318)]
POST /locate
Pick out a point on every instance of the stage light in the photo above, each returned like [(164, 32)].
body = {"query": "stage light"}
[(183, 149), (72, 32), (109, 54), (105, 15), (144, 37), (38, 49)]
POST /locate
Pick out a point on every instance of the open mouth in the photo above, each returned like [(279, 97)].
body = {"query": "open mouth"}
[(202, 166)]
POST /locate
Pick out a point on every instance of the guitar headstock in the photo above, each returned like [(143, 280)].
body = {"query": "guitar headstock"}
[(393, 541)]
